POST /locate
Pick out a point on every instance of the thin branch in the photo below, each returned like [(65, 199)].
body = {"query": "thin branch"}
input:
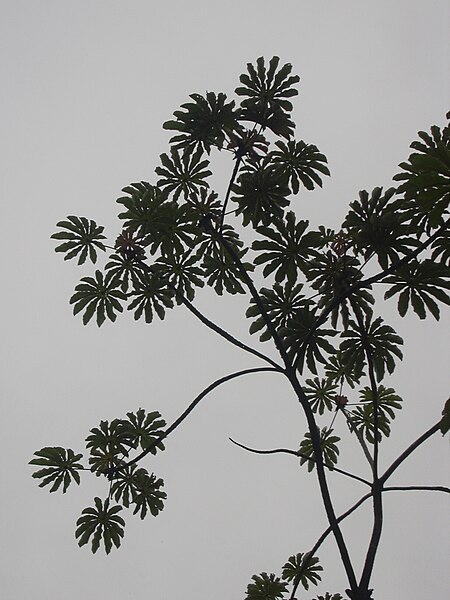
[(419, 488), (193, 404), (230, 185), (404, 455), (300, 455), (226, 335)]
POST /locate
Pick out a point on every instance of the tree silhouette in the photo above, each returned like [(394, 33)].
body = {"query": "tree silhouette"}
[(316, 305)]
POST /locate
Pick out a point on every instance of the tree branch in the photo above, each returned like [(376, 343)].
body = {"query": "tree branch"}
[(300, 455), (226, 335), (193, 404), (404, 455)]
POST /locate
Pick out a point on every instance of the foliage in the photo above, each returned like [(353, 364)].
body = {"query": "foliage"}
[(102, 523), (82, 237), (316, 304), (303, 568), (266, 587), (60, 467), (328, 445)]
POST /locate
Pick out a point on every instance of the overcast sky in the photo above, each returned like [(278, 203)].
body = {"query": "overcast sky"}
[(86, 87)]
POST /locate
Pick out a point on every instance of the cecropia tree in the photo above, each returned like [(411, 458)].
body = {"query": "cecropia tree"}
[(309, 298)]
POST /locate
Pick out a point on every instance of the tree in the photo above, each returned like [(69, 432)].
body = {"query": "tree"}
[(315, 306)]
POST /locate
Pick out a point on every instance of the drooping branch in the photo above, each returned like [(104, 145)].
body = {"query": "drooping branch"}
[(193, 404), (300, 455)]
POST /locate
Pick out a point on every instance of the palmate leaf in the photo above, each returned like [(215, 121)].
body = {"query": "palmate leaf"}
[(387, 400), (287, 248), (266, 587), (305, 341), (183, 273), (328, 443), (61, 466), (281, 304), (426, 179), (102, 524), (151, 295), (329, 596), (342, 371), (362, 419), (380, 340), (332, 275), (375, 226), (301, 163), (185, 174), (82, 239), (302, 568), (203, 123), (420, 284), (142, 429), (126, 268), (145, 205), (221, 271), (136, 486), (266, 93), (108, 444), (321, 394), (261, 194), (99, 295)]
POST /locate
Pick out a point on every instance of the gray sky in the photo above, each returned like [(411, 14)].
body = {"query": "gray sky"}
[(86, 87)]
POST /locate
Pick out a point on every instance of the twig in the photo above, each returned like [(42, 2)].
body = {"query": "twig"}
[(300, 455)]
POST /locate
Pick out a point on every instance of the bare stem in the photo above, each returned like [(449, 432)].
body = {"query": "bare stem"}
[(300, 455), (193, 404)]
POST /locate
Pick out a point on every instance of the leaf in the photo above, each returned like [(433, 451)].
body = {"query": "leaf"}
[(97, 295), (136, 486), (61, 466), (151, 294), (185, 174), (142, 429), (203, 123), (425, 180), (375, 226), (287, 248), (301, 163), (221, 271), (333, 275), (281, 304), (305, 341), (266, 587), (302, 568), (101, 523), (374, 337), (328, 444), (83, 238), (260, 194), (420, 284), (321, 394), (266, 93)]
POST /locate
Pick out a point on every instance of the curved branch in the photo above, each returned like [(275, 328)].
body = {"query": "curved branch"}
[(300, 455), (193, 404), (404, 455), (226, 335)]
